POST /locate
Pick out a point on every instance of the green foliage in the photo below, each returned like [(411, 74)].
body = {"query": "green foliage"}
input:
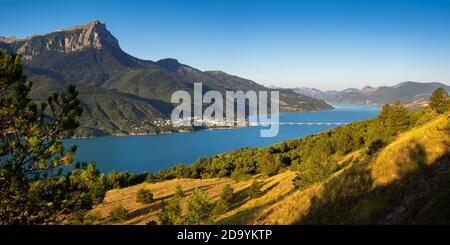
[(83, 218), (118, 213), (150, 178), (171, 214), (227, 195), (226, 200), (116, 180), (374, 146), (152, 222), (255, 190), (439, 100), (312, 172), (75, 192), (240, 174), (178, 192), (394, 119), (199, 208), (268, 165), (144, 196), (32, 189)]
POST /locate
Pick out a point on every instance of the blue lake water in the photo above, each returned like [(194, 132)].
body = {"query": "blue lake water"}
[(154, 152)]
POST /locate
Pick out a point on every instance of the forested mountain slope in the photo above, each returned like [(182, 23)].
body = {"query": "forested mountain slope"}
[(90, 57)]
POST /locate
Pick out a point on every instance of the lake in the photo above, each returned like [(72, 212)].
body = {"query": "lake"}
[(154, 152)]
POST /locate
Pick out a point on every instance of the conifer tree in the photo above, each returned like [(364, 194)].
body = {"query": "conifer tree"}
[(199, 208), (32, 190), (226, 200), (255, 190), (171, 214), (439, 100), (178, 192)]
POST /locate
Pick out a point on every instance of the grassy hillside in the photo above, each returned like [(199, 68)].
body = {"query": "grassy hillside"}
[(405, 182), (397, 185), (163, 191)]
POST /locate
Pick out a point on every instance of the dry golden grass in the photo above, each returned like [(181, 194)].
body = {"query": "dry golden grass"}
[(413, 149), (281, 203), (431, 140), (143, 213)]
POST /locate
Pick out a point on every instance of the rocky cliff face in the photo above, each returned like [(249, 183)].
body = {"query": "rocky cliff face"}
[(93, 35)]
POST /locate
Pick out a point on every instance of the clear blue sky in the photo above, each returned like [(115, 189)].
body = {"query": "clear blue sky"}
[(324, 44)]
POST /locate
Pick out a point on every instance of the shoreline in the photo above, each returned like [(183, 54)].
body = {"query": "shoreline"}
[(188, 131)]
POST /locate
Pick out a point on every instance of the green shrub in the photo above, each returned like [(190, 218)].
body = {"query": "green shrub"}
[(199, 208), (178, 192), (144, 196), (255, 190), (152, 222), (226, 200), (239, 175), (118, 213), (374, 146), (83, 218), (170, 214), (268, 165), (440, 101), (312, 172)]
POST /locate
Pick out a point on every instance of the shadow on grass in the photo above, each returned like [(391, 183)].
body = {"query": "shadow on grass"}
[(245, 216), (350, 199)]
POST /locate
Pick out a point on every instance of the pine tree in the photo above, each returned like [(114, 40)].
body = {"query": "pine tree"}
[(178, 192), (226, 200), (439, 100), (144, 196), (170, 214), (119, 213), (227, 195), (255, 190), (32, 190), (268, 165), (199, 208), (394, 119)]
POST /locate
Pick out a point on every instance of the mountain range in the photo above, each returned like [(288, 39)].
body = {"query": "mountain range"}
[(122, 94), (405, 92), (314, 93)]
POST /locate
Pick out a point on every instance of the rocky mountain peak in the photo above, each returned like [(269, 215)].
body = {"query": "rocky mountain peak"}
[(368, 89), (169, 64), (92, 35)]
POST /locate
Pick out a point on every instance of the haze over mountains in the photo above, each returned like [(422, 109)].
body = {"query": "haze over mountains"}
[(404, 92), (122, 94)]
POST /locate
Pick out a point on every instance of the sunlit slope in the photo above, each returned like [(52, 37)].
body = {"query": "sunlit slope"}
[(163, 191), (406, 182)]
